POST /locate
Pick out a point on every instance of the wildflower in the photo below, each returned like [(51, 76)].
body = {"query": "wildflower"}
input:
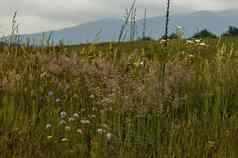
[(100, 131), (162, 41), (105, 125), (85, 121), (142, 63), (79, 131), (49, 137), (139, 63), (211, 144), (50, 93), (18, 77), (67, 128), (202, 44), (64, 139), (109, 136), (62, 122), (92, 96), (63, 114), (191, 55), (71, 119), (48, 126), (76, 115), (93, 116), (198, 40), (57, 100), (189, 42), (43, 74)]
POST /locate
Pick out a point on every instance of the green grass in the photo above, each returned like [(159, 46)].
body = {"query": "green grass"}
[(128, 100)]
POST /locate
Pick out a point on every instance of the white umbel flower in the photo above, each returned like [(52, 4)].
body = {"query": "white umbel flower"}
[(109, 136), (67, 128), (63, 114), (57, 100), (64, 139), (71, 119), (100, 131), (85, 121), (48, 126), (202, 44), (79, 131), (50, 93), (76, 115), (62, 122), (198, 40), (189, 42)]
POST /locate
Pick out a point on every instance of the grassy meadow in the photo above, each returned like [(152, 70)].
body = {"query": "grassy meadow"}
[(127, 100)]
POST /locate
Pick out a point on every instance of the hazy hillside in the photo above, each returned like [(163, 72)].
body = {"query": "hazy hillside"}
[(108, 29)]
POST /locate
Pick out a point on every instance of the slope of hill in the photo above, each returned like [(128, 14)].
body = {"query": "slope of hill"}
[(108, 29)]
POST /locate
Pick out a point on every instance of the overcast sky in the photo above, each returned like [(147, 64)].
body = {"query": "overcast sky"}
[(43, 15)]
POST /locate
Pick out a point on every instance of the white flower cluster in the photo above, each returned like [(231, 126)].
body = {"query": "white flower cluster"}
[(75, 124), (196, 42)]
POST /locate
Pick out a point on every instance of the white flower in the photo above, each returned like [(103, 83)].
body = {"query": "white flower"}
[(63, 114), (64, 139), (71, 119), (76, 115), (57, 100), (198, 40), (142, 63), (100, 131), (191, 55), (109, 136), (48, 126), (67, 128), (50, 93), (93, 116), (92, 96), (189, 42), (162, 41), (105, 125), (62, 122), (49, 137), (79, 131), (202, 44), (85, 121)]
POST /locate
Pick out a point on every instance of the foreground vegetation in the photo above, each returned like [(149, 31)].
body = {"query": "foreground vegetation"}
[(129, 100)]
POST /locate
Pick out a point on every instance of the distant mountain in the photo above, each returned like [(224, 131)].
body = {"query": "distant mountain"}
[(108, 29)]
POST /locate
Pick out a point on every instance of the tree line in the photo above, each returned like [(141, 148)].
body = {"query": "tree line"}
[(205, 33)]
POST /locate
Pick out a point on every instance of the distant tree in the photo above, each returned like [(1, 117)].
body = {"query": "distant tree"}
[(232, 31), (146, 38), (204, 34), (171, 36)]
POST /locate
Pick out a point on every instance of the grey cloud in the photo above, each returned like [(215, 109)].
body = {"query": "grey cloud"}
[(70, 12), (60, 13)]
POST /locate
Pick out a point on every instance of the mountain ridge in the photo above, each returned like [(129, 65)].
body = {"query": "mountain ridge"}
[(107, 29)]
